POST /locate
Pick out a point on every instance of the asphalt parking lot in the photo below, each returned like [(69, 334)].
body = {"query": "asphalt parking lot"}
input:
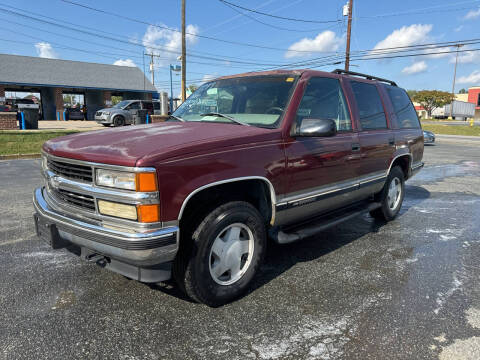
[(408, 289)]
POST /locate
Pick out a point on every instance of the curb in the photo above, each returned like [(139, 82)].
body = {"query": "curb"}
[(20, 156)]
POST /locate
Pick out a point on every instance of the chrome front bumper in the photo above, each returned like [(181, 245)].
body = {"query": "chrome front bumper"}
[(139, 250)]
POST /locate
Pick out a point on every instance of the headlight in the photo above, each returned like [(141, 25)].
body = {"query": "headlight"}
[(144, 181), (106, 113), (116, 179)]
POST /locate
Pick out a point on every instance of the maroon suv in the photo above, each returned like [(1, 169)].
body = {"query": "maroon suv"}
[(280, 154)]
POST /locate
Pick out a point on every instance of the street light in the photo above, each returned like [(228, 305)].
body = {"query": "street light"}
[(172, 68)]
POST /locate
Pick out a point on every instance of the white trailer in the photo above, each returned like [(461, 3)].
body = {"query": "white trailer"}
[(462, 110)]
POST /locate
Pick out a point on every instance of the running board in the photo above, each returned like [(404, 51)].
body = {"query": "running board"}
[(299, 232)]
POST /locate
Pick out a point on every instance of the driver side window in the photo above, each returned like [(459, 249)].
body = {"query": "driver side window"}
[(134, 106), (324, 99)]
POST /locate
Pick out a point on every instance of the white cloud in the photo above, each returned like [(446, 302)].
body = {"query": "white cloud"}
[(473, 78), (472, 14), (126, 62), (415, 68), (166, 43), (45, 50), (405, 36), (323, 42), (458, 28)]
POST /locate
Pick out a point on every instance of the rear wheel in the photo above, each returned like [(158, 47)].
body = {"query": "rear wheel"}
[(391, 196), (227, 249), (118, 121)]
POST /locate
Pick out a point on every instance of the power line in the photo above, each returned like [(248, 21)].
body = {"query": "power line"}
[(125, 41), (276, 16), (226, 3), (188, 33)]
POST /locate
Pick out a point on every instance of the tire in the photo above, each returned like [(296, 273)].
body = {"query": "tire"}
[(391, 204), (118, 121), (215, 247)]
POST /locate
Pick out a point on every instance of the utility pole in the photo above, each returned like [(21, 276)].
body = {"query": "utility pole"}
[(184, 55), (349, 32), (152, 69), (454, 77)]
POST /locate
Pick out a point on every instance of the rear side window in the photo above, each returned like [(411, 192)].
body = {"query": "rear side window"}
[(370, 108), (406, 114), (323, 99)]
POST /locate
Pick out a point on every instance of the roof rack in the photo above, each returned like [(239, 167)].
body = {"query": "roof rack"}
[(369, 77)]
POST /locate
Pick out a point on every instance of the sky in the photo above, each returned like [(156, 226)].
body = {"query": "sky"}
[(223, 39)]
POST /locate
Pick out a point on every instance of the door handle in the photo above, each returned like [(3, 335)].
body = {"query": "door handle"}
[(391, 141), (355, 147)]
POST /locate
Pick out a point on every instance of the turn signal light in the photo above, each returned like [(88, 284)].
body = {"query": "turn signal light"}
[(148, 213), (147, 182)]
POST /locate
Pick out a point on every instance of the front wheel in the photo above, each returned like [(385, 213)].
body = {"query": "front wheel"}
[(227, 249), (118, 121), (391, 196)]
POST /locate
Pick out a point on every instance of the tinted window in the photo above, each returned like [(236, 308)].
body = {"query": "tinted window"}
[(370, 108), (156, 105), (134, 106), (406, 114), (323, 99)]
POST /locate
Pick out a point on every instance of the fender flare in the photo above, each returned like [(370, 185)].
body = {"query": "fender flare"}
[(273, 198)]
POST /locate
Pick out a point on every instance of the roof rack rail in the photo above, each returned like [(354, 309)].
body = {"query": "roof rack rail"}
[(369, 77)]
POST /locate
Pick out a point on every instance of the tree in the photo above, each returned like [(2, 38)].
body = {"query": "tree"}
[(411, 93), (193, 87), (462, 91), (432, 99), (116, 99)]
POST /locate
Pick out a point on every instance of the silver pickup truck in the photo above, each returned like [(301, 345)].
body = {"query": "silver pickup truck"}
[(126, 112)]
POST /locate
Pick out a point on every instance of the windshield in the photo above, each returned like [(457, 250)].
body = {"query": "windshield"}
[(121, 104), (255, 100)]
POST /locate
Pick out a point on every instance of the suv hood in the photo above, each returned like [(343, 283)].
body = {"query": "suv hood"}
[(145, 145)]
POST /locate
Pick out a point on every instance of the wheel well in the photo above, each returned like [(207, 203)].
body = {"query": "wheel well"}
[(404, 163), (253, 191)]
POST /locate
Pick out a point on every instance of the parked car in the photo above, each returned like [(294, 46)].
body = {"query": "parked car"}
[(428, 137), (284, 154), (14, 102), (5, 108), (74, 113), (125, 111)]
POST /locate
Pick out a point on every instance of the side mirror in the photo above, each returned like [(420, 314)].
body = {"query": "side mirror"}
[(317, 127)]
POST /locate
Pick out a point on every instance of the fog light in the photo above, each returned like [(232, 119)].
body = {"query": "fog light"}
[(148, 213), (118, 210)]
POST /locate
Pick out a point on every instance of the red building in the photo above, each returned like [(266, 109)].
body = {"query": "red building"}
[(474, 97)]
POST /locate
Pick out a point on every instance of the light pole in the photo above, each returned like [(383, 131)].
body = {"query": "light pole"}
[(454, 77), (172, 68)]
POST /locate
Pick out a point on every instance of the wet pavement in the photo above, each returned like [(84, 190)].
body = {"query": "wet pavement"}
[(408, 289)]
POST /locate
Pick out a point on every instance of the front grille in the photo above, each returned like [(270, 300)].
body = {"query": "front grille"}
[(71, 171), (98, 113), (83, 201)]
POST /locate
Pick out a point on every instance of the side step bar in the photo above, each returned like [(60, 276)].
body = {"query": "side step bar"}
[(299, 232)]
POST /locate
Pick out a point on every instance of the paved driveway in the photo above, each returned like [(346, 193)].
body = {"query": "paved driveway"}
[(363, 290)]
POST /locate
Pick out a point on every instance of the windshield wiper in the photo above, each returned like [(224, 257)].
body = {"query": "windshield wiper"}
[(226, 117), (176, 117)]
